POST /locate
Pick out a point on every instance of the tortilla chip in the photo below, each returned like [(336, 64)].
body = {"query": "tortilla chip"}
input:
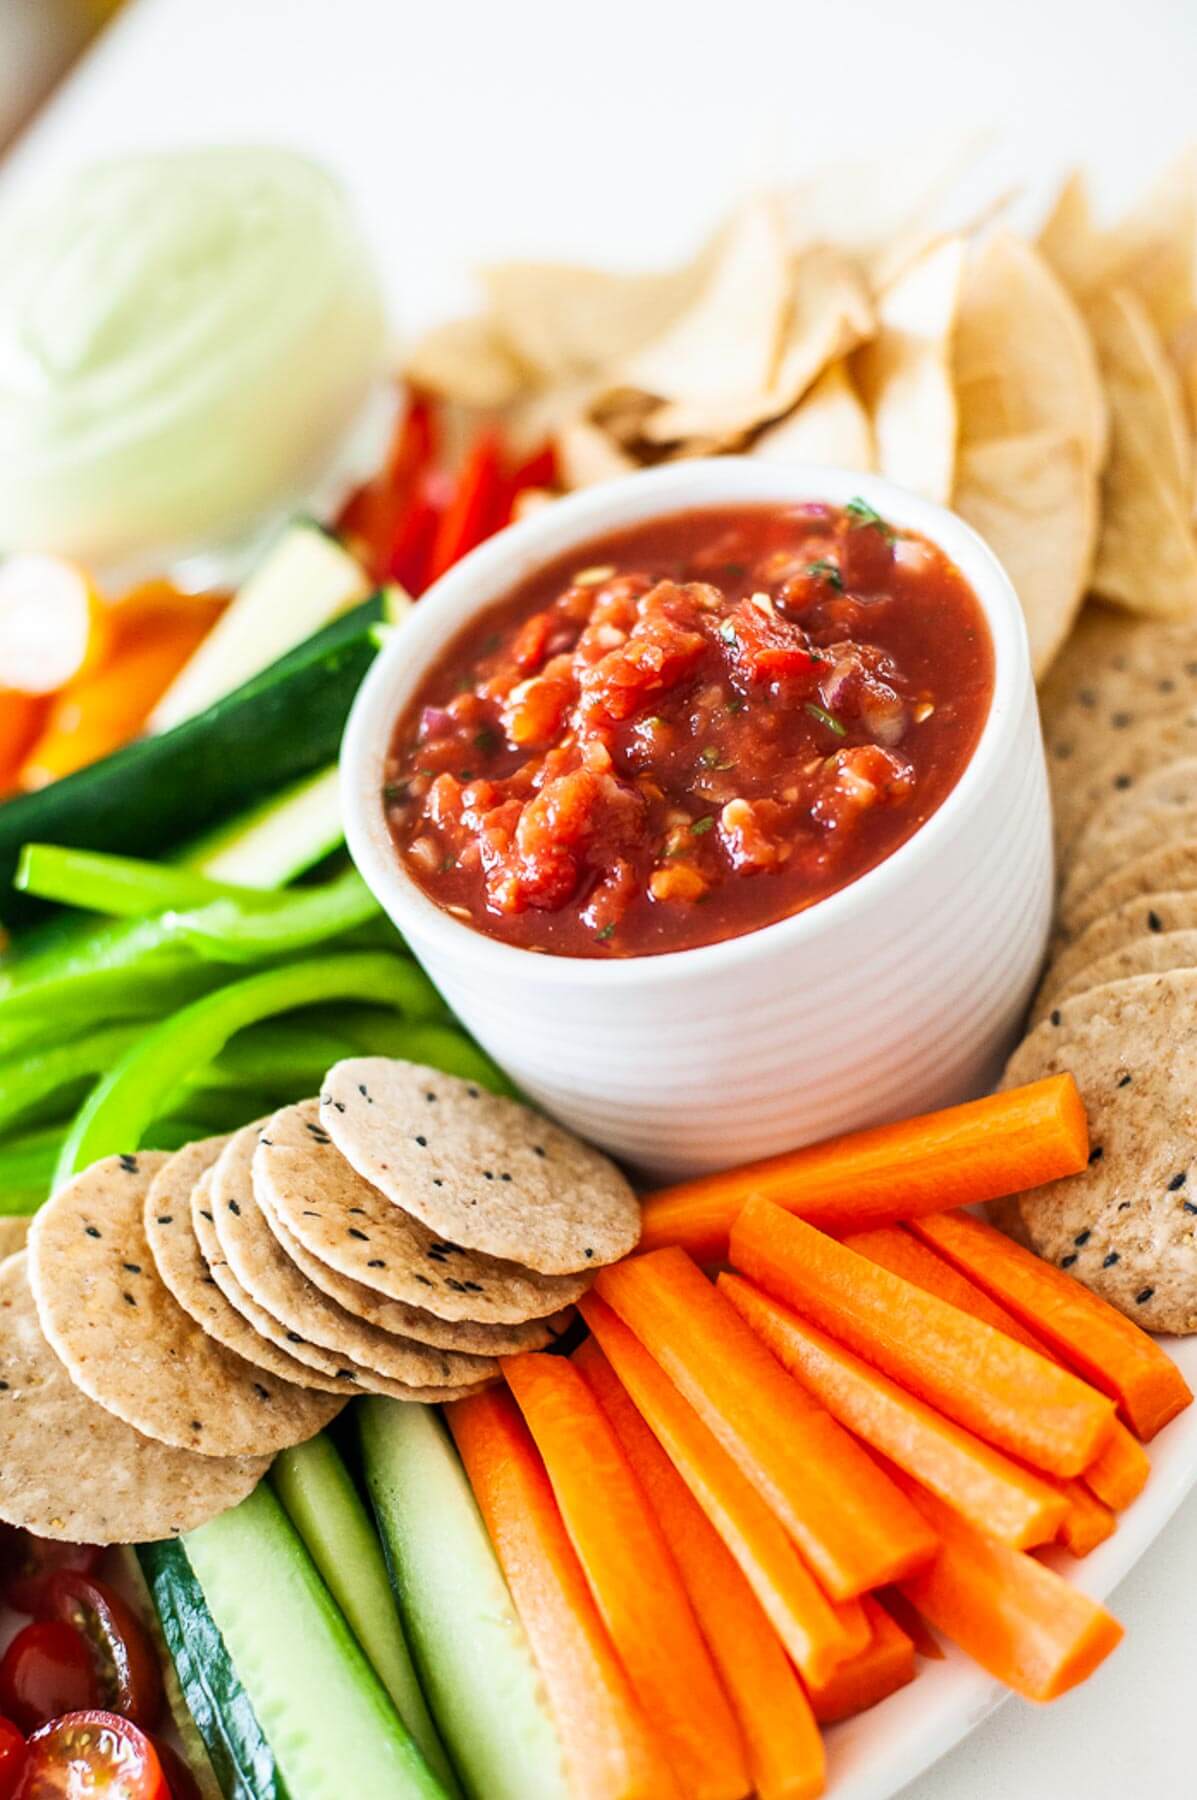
[(905, 376), (829, 426), (1022, 356), (725, 345), (586, 455), (1033, 500), (464, 360), (1154, 249), (1069, 239), (562, 321), (1147, 556)]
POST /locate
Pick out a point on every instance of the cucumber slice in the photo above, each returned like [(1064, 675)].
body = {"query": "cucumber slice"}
[(326, 1716), (241, 1758), (134, 1586), (323, 1505), (277, 840), (160, 791), (469, 1646), (307, 580)]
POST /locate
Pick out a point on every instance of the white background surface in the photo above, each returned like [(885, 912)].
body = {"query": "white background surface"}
[(615, 131)]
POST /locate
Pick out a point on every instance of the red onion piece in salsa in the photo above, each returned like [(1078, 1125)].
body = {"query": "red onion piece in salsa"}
[(690, 729)]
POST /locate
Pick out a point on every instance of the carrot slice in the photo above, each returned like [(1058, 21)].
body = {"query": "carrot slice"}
[(785, 1750), (997, 1495), (1120, 1473), (851, 1527), (1016, 1617), (1087, 1522), (1004, 1392), (21, 718), (633, 1577), (817, 1634), (610, 1752), (978, 1151), (925, 1642), (882, 1667), (1108, 1349)]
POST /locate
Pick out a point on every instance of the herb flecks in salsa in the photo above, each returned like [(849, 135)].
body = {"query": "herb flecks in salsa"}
[(690, 729)]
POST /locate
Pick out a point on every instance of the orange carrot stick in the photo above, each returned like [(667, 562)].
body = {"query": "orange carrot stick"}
[(1011, 1613), (882, 1667), (925, 1642), (998, 1496), (1120, 1473), (1087, 1522), (785, 1750), (1109, 1350), (610, 1752), (817, 1634), (633, 1577), (851, 1527), (979, 1151), (21, 718), (1002, 1391)]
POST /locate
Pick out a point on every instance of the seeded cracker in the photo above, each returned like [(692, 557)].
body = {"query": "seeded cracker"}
[(13, 1232), (1152, 954), (1127, 1225), (1171, 868), (1148, 740), (1146, 915), (182, 1266), (413, 1321), (478, 1168), (1161, 808), (259, 1264), (302, 1178), (128, 1343), (74, 1471)]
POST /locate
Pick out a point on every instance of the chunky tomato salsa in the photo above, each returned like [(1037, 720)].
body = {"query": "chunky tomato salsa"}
[(690, 729)]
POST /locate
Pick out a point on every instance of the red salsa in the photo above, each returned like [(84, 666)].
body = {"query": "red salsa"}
[(689, 729)]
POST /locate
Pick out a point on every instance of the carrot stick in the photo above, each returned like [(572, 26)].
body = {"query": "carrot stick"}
[(1108, 1349), (925, 1642), (851, 1527), (1002, 1391), (1087, 1522), (882, 1667), (610, 1752), (999, 1145), (20, 722), (785, 1750), (817, 1634), (985, 1487), (1013, 1615), (633, 1577), (1120, 1473)]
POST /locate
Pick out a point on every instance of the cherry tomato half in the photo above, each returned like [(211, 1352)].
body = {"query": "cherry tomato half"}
[(180, 1782), (91, 1754), (46, 1670), (13, 1757), (128, 1677), (27, 1562)]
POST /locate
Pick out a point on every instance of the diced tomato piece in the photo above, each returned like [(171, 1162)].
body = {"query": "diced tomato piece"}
[(763, 646), (89, 1754), (13, 1757)]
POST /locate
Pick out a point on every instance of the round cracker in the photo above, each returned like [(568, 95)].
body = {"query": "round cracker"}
[(1171, 868), (413, 1321), (1145, 915), (260, 1265), (331, 1369), (128, 1343), (1161, 808), (480, 1169), (73, 1470), (13, 1233), (1145, 742), (1153, 954), (1127, 1225), (302, 1178), (181, 1264)]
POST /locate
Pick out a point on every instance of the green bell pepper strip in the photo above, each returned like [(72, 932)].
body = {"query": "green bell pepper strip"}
[(123, 887), (226, 931), (27, 1168), (121, 1106), (27, 1080), (294, 1054)]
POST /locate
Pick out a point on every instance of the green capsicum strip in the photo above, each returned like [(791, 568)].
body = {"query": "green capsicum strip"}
[(121, 1106), (26, 1080), (122, 887), (226, 931)]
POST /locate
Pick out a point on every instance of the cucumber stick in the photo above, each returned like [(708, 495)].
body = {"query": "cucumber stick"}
[(470, 1650), (307, 579), (135, 1587), (276, 840), (322, 1503), (241, 1759), (326, 1716)]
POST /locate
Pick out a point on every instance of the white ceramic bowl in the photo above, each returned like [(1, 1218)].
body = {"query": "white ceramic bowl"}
[(900, 993)]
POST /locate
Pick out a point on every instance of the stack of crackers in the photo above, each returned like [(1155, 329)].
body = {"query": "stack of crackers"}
[(1118, 1003), (176, 1320)]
